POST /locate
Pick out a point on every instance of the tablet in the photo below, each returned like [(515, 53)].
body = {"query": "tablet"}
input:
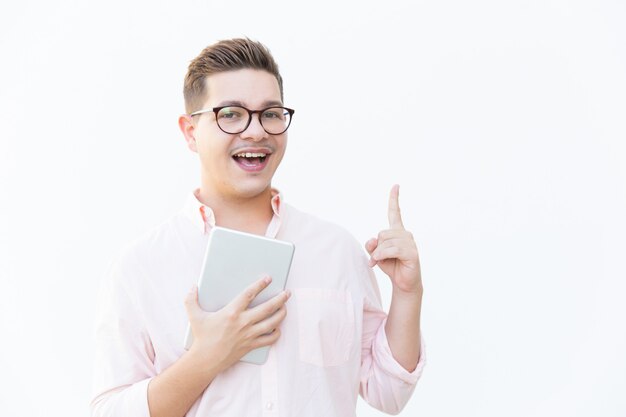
[(233, 261)]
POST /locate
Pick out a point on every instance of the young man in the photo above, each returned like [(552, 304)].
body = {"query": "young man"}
[(330, 339)]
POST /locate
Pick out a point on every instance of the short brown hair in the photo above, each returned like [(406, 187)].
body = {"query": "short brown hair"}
[(225, 55)]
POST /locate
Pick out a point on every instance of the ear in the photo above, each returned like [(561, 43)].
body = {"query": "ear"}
[(188, 129)]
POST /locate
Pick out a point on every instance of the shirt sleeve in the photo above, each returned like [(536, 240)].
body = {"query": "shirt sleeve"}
[(124, 357), (384, 383)]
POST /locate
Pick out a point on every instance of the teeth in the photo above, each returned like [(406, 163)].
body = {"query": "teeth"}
[(250, 155)]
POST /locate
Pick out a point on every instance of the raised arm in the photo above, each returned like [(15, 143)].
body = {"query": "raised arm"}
[(395, 253), (392, 349)]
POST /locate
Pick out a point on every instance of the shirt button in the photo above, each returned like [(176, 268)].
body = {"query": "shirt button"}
[(269, 405)]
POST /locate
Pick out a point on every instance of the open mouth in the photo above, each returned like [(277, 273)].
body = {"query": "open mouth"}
[(251, 161)]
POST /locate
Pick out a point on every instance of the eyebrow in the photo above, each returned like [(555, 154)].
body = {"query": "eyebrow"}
[(267, 103)]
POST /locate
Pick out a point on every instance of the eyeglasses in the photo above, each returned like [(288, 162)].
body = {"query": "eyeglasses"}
[(236, 119)]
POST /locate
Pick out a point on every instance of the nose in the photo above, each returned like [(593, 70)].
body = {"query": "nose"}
[(255, 131)]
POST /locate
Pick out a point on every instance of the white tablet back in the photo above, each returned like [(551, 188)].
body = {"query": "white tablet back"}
[(234, 260)]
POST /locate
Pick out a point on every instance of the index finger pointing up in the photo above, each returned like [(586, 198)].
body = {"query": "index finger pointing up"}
[(395, 219)]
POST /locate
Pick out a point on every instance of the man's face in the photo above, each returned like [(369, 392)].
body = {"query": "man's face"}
[(222, 172)]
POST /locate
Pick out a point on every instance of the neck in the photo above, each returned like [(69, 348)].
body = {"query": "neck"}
[(246, 214)]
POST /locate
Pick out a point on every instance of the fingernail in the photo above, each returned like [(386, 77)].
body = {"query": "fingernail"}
[(288, 293), (267, 279)]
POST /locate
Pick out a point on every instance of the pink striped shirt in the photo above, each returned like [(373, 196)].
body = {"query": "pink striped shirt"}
[(332, 347)]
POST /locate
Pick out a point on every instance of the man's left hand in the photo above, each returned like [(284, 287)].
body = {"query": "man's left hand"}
[(395, 251)]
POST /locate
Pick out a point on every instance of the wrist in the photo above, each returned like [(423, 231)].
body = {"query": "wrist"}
[(204, 361), (412, 295)]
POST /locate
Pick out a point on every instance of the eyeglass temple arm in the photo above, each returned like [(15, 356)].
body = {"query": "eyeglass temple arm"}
[(200, 112)]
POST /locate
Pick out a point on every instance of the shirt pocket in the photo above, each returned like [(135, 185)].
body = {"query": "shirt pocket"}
[(325, 325)]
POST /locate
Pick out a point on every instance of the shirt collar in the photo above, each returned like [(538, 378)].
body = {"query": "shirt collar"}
[(203, 218)]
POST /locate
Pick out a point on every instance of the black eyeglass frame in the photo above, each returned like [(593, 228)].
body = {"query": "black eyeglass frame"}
[(216, 110)]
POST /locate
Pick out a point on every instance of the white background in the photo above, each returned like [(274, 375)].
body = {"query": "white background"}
[(503, 122)]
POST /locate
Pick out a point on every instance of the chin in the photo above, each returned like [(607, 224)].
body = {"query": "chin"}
[(250, 190)]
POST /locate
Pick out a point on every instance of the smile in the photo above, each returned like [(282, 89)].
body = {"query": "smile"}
[(251, 161)]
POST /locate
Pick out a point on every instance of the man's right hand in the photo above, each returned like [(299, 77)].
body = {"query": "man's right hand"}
[(226, 335)]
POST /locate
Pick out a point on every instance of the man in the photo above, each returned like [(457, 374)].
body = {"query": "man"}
[(330, 339)]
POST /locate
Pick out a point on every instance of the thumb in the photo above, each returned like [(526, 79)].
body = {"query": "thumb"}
[(191, 302), (371, 244)]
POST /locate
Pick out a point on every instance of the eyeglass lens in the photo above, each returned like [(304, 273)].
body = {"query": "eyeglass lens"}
[(235, 119)]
